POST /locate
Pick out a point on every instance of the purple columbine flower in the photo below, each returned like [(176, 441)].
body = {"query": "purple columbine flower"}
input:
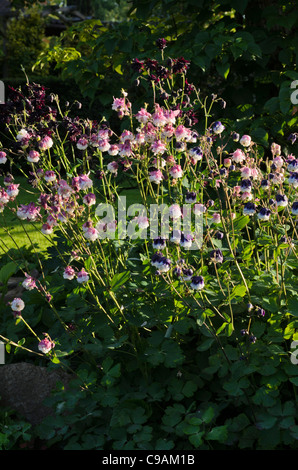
[(293, 179), (295, 208), (155, 259), (197, 283), (159, 243), (265, 184), (264, 213), (292, 138), (187, 274), (246, 185), (191, 197), (219, 235), (293, 165), (249, 208), (281, 200), (218, 127), (216, 256), (161, 43), (196, 153), (260, 312), (164, 264), (186, 240)]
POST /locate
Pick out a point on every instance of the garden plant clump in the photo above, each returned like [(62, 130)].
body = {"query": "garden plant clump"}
[(169, 288)]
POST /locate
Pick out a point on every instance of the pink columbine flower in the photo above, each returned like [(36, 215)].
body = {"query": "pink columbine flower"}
[(168, 130), (91, 234), (122, 106), (64, 189), (176, 171), (22, 134), (245, 172), (29, 283), (278, 161), (47, 229), (245, 140), (89, 199), (238, 156), (175, 211), (216, 218), (29, 212), (275, 149), (158, 147), (45, 345), (103, 145), (158, 117), (113, 150), (103, 133), (3, 158), (142, 222), (17, 305), (50, 176), (4, 197), (112, 167), (33, 156), (69, 273), (140, 138), (171, 115), (125, 150), (12, 190), (82, 143), (126, 135), (156, 176), (87, 225), (143, 115), (45, 143), (199, 209), (94, 140), (182, 133), (9, 179), (82, 276)]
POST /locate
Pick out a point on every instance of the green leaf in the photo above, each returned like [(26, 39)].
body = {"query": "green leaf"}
[(7, 271), (196, 439), (238, 291), (119, 280), (223, 70), (240, 222), (218, 433)]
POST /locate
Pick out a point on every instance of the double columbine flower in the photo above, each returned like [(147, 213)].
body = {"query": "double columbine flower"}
[(17, 305), (46, 345)]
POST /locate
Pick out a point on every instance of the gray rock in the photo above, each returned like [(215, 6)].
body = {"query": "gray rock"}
[(24, 387)]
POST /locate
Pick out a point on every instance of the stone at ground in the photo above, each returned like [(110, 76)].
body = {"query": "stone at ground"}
[(24, 387)]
